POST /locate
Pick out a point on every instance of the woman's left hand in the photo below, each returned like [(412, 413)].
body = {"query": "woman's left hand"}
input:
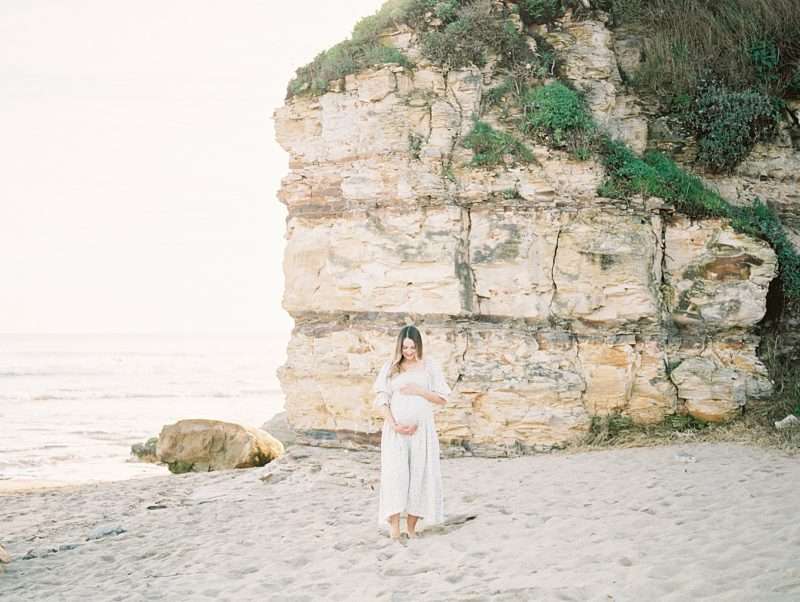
[(412, 389)]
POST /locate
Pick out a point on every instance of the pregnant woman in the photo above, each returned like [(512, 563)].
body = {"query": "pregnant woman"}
[(411, 480)]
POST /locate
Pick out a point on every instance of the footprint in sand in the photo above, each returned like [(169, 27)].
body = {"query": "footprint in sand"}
[(298, 562), (405, 570)]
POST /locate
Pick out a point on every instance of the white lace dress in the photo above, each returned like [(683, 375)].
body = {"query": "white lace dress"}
[(411, 478)]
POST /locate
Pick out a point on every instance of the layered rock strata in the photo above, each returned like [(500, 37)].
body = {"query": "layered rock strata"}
[(545, 303)]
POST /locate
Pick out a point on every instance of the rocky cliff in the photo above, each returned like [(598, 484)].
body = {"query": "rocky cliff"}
[(546, 303)]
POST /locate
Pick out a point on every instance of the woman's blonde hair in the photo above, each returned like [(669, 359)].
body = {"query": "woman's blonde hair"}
[(407, 332)]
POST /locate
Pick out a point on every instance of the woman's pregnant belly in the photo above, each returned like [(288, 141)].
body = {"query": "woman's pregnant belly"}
[(409, 409)]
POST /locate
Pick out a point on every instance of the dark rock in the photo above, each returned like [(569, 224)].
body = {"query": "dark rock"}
[(146, 452), (279, 428)]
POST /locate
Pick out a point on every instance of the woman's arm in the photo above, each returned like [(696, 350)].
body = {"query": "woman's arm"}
[(433, 397), (440, 390), (413, 389)]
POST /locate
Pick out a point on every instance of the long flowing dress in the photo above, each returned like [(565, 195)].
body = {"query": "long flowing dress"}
[(411, 478)]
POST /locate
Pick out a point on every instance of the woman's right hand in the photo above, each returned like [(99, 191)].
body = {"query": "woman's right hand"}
[(405, 429)]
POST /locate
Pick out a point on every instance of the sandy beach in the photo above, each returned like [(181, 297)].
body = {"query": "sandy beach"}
[(684, 522)]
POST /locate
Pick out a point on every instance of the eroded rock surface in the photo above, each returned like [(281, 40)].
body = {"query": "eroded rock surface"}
[(207, 445), (545, 303)]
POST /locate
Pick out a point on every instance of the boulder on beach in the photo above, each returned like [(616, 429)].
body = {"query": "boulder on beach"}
[(206, 445)]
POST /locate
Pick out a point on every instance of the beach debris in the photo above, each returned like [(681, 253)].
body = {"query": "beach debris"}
[(207, 445), (105, 531), (686, 458), (156, 507), (146, 452), (5, 557), (791, 421)]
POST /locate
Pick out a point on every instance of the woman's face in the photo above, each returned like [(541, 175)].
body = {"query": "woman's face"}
[(409, 350)]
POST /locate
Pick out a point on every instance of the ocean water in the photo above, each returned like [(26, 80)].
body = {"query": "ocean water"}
[(71, 406)]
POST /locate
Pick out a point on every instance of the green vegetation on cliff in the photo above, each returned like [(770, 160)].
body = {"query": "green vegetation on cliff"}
[(557, 115), (742, 44), (724, 68), (492, 146), (452, 34), (659, 176), (728, 124)]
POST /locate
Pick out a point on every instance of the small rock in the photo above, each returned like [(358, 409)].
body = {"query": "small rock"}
[(789, 422), (105, 531), (5, 557)]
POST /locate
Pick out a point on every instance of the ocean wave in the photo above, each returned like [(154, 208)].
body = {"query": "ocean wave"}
[(16, 373), (74, 395)]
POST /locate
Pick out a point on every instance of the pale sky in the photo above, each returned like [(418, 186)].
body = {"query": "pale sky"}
[(138, 167)]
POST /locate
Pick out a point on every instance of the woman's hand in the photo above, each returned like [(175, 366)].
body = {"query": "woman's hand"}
[(412, 389), (404, 429)]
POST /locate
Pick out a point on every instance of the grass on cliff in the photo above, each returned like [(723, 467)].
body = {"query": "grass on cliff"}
[(492, 147), (784, 372), (618, 431), (722, 67), (364, 49), (453, 34), (557, 115), (659, 176), (745, 44)]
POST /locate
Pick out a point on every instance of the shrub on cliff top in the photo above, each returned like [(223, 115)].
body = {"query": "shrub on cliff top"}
[(361, 51), (453, 34), (471, 33), (540, 11), (728, 124), (343, 59)]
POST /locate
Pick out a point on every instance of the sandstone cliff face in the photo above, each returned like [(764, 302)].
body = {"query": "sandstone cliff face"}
[(545, 304)]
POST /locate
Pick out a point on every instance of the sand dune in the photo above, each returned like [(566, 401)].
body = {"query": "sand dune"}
[(688, 522)]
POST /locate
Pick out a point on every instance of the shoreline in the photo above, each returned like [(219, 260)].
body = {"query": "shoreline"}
[(748, 433), (671, 522)]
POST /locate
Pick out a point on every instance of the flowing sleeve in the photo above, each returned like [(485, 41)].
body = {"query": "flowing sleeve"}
[(438, 383), (381, 387)]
